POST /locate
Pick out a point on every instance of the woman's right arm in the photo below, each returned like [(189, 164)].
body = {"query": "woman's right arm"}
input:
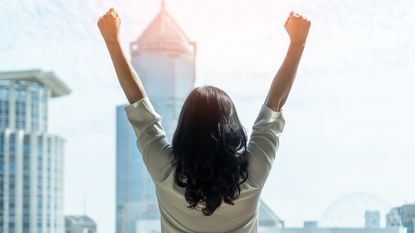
[(297, 27), (109, 25)]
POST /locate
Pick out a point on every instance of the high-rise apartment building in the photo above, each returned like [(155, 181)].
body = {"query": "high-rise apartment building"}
[(31, 159)]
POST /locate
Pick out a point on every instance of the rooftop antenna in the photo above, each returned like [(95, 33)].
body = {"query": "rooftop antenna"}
[(84, 203)]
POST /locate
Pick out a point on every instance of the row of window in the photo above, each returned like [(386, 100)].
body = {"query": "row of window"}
[(40, 205), (21, 91)]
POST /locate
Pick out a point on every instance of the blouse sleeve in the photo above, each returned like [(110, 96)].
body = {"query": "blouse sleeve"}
[(152, 142), (263, 144)]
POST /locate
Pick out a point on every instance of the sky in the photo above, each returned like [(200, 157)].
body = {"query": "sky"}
[(349, 118)]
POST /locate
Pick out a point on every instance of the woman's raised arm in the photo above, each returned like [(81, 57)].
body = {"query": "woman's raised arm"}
[(297, 27), (109, 25)]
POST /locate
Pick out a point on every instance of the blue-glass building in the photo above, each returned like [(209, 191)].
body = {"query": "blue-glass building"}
[(31, 159)]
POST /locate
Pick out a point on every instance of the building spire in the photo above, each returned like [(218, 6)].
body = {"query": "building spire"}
[(163, 33)]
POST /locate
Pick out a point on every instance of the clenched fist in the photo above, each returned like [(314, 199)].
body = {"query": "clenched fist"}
[(297, 27), (109, 25)]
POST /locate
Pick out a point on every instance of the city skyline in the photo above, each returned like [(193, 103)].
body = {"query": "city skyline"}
[(349, 122)]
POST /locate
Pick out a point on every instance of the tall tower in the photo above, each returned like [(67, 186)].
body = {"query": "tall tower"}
[(164, 58), (31, 160)]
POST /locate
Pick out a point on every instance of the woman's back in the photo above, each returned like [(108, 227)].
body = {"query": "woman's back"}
[(157, 155), (176, 217)]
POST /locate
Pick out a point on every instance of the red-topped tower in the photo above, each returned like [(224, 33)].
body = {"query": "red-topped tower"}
[(164, 57)]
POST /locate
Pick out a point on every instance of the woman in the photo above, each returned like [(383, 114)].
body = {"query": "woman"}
[(210, 160)]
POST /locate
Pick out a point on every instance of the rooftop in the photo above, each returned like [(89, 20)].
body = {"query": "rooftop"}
[(82, 220), (49, 79), (163, 34)]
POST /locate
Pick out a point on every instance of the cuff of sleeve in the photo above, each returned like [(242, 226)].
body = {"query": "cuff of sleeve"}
[(135, 105), (144, 106), (270, 114)]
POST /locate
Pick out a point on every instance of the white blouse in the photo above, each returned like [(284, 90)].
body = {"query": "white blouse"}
[(157, 154)]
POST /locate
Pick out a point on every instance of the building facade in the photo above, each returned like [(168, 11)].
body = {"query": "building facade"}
[(80, 224), (31, 159), (403, 216)]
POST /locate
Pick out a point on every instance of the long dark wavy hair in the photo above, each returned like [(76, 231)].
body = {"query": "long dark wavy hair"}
[(209, 148)]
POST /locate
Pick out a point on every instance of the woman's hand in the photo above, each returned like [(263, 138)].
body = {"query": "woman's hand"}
[(297, 28), (109, 25)]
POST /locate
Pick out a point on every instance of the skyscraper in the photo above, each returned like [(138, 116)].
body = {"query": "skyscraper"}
[(164, 58), (31, 159)]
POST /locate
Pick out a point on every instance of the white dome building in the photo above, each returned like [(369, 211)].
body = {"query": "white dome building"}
[(349, 211)]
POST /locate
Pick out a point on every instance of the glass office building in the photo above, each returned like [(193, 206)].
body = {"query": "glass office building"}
[(31, 159)]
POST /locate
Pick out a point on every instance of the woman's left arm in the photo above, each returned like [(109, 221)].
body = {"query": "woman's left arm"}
[(151, 137), (109, 25)]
